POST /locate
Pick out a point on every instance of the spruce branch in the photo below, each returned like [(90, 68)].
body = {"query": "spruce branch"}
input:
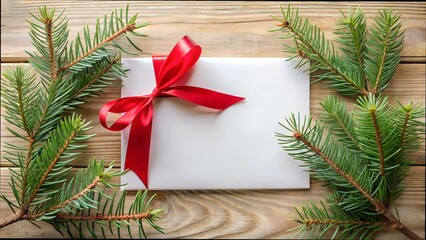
[(322, 219), (351, 32), (92, 80), (113, 213), (362, 156), (347, 172), (367, 62), (380, 138), (340, 122), (364, 192), (109, 39), (18, 96), (81, 65), (384, 48), (311, 44), (85, 50), (50, 168), (53, 68), (378, 142), (41, 181), (411, 128), (409, 125), (93, 184), (49, 35)]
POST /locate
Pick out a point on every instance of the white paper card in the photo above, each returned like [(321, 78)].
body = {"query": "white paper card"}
[(193, 147)]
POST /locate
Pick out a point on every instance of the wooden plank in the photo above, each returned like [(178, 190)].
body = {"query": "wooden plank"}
[(238, 214), (407, 84), (225, 29)]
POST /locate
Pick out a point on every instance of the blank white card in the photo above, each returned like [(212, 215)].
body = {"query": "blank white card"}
[(193, 147)]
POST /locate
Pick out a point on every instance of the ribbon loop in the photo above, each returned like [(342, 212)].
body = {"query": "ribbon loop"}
[(138, 111), (130, 106), (180, 60)]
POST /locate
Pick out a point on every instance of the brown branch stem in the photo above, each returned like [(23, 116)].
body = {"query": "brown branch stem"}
[(377, 204), (358, 54), (397, 225), (382, 61), (326, 221), (379, 142), (93, 184), (380, 208), (53, 67), (21, 111), (53, 71), (24, 178), (94, 79), (342, 126), (403, 132), (46, 173), (43, 115), (330, 67), (10, 219), (22, 215), (71, 97), (101, 217), (404, 127), (109, 39)]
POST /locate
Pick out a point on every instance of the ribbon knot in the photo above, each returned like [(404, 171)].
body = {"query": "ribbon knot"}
[(138, 110), (155, 93)]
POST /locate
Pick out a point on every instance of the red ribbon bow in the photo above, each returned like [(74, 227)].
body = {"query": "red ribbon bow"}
[(139, 110)]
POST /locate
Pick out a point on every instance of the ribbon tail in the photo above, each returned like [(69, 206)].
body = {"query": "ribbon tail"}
[(139, 143), (204, 97)]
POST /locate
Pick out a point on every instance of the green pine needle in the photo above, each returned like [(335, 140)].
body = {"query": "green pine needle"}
[(361, 156), (334, 223), (310, 43), (42, 181), (343, 152), (367, 60), (384, 48)]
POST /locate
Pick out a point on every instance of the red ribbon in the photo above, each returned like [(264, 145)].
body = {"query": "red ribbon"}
[(138, 111)]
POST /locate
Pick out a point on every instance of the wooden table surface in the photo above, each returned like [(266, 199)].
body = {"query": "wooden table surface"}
[(225, 29)]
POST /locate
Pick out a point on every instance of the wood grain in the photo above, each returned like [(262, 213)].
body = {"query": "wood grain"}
[(234, 28), (240, 214), (409, 78), (224, 29)]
